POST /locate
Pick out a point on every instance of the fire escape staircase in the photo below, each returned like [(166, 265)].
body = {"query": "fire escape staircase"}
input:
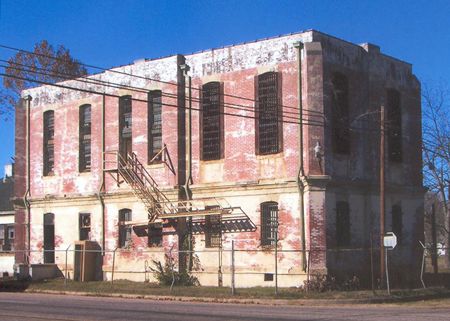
[(128, 169)]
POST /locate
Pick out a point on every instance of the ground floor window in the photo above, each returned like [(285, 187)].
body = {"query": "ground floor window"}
[(6, 237), (125, 216)]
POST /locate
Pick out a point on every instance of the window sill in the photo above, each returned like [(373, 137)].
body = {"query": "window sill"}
[(270, 156)]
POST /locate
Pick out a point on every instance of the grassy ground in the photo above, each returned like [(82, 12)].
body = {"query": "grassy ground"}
[(139, 288)]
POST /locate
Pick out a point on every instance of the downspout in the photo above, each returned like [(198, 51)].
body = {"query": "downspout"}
[(27, 192), (301, 169), (101, 190)]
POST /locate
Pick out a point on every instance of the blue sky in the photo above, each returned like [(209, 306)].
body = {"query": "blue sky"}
[(110, 33)]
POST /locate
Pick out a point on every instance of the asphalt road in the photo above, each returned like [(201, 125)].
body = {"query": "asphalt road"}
[(23, 306)]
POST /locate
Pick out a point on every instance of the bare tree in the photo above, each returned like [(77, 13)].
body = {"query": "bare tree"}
[(44, 63), (436, 149)]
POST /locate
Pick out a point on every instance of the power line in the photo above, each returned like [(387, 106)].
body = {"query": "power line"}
[(142, 77)]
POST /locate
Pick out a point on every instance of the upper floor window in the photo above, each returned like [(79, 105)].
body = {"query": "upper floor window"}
[(343, 235), (49, 145), (394, 125), (125, 125), (85, 138), (211, 122), (269, 122), (269, 223), (340, 115), (397, 222), (154, 126), (125, 216)]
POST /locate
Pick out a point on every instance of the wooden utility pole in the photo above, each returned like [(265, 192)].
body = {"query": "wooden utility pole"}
[(382, 193)]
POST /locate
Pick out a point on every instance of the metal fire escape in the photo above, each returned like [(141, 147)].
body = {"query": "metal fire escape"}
[(130, 170)]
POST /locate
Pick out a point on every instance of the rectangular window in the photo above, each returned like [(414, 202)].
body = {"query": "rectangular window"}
[(49, 135), (84, 226), (269, 223), (394, 125), (125, 125), (397, 222), (211, 122), (213, 229), (155, 235), (85, 138), (269, 130), (125, 216), (342, 224), (154, 126), (6, 237)]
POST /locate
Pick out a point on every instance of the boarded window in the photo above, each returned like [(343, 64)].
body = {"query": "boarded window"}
[(49, 238), (49, 144), (340, 115), (84, 226), (155, 235), (394, 125), (154, 125), (85, 138), (125, 125), (269, 131), (125, 216), (397, 222), (343, 235), (213, 229), (269, 223), (211, 122)]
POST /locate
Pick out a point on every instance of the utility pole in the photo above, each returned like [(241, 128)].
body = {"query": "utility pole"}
[(382, 193)]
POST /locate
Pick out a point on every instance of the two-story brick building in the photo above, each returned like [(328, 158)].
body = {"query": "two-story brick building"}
[(115, 157)]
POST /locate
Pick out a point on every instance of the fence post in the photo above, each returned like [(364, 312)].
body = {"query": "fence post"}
[(387, 272), (423, 264), (65, 268), (113, 263), (233, 290), (276, 260)]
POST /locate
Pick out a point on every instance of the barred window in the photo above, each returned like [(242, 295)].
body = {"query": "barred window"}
[(49, 147), (154, 125), (394, 125), (85, 138), (343, 235), (125, 125), (340, 115), (269, 130), (125, 216), (213, 229), (269, 223), (84, 224), (397, 222), (155, 235), (211, 122)]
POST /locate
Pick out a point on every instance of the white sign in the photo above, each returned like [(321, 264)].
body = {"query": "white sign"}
[(390, 240)]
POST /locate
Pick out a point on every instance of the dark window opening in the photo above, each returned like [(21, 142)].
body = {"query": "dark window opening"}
[(125, 125), (343, 234), (397, 222), (269, 223), (154, 125), (340, 115), (7, 237), (85, 138), (125, 216), (155, 235), (49, 238), (394, 125), (49, 147), (268, 276), (269, 130), (85, 226), (211, 122), (213, 229)]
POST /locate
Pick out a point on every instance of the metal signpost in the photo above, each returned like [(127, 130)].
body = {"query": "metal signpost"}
[(389, 243)]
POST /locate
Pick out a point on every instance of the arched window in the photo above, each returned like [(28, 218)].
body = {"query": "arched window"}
[(211, 122), (85, 138), (343, 225), (125, 216), (394, 125), (49, 145), (269, 120), (340, 114), (154, 125), (125, 125), (269, 223), (49, 238)]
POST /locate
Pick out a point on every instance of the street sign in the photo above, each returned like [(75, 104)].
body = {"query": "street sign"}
[(390, 240)]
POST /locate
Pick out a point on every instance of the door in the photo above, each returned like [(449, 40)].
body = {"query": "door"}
[(49, 238)]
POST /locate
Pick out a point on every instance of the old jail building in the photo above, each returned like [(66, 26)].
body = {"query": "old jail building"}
[(192, 152)]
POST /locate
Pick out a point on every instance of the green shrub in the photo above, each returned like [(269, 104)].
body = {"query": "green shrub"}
[(168, 276)]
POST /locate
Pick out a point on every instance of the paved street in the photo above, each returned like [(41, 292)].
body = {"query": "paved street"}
[(23, 306)]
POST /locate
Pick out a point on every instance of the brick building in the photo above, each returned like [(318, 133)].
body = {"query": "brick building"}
[(116, 161)]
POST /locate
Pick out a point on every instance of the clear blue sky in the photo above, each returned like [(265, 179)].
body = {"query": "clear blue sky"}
[(110, 33)]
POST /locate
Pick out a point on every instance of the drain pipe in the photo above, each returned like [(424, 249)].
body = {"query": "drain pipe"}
[(101, 190), (27, 192), (301, 171)]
